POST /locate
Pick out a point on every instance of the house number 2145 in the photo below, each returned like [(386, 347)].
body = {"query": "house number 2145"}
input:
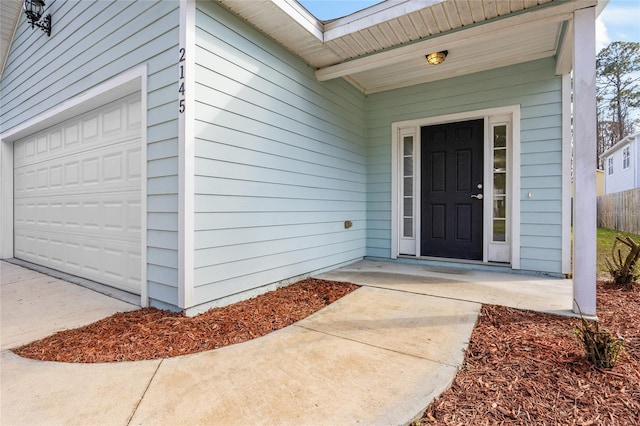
[(181, 64)]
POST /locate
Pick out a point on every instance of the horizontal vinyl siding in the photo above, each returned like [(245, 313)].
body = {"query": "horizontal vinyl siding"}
[(635, 161), (621, 179), (280, 162), (90, 43), (532, 85)]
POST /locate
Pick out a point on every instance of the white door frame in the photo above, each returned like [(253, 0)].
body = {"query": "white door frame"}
[(129, 82), (490, 115)]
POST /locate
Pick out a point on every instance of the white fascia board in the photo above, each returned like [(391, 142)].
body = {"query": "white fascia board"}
[(564, 55), (524, 21), (302, 16), (600, 6), (374, 15), (564, 52)]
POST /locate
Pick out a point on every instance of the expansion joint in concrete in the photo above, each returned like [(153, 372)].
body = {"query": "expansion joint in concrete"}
[(375, 346), (133, 412)]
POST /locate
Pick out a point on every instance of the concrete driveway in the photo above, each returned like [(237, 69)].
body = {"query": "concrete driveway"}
[(34, 305)]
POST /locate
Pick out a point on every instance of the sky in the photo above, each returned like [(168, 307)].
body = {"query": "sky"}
[(620, 20)]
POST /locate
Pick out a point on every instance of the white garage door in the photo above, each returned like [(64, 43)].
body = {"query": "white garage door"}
[(77, 194)]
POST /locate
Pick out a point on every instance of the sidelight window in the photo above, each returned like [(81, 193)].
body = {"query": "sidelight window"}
[(408, 195), (500, 168)]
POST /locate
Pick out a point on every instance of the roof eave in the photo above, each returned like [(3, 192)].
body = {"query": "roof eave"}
[(627, 139)]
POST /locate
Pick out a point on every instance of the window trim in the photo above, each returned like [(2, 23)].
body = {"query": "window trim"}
[(610, 166), (626, 157)]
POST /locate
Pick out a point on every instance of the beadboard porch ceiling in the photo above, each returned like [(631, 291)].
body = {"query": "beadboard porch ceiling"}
[(383, 47)]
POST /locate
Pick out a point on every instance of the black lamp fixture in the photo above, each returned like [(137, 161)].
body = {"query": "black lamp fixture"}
[(436, 58), (33, 9)]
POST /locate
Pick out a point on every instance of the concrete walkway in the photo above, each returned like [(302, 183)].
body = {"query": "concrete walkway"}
[(377, 356)]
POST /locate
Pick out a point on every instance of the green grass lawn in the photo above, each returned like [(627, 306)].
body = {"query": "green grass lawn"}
[(604, 240)]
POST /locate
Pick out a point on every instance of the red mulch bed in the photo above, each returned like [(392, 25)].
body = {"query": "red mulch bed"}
[(529, 368), (150, 333)]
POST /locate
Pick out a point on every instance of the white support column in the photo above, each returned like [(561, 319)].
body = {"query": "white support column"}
[(584, 110)]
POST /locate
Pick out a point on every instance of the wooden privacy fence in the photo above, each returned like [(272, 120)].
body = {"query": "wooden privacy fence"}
[(620, 211)]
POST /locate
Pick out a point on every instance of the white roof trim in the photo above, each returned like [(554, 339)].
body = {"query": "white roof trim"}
[(302, 16), (622, 142), (374, 15), (564, 55)]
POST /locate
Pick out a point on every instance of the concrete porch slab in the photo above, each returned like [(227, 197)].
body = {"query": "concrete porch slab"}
[(521, 291)]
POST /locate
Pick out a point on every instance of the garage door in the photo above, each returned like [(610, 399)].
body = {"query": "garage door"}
[(77, 195)]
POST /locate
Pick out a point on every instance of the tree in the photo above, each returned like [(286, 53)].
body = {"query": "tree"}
[(618, 92)]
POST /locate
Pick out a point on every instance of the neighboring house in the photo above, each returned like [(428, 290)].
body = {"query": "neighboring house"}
[(195, 152), (600, 182), (622, 165)]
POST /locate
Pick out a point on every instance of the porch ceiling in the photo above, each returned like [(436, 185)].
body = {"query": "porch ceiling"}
[(384, 47)]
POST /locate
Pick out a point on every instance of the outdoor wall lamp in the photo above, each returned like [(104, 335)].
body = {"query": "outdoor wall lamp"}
[(33, 9), (436, 58)]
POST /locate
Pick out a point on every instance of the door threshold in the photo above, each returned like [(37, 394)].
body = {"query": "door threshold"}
[(454, 261)]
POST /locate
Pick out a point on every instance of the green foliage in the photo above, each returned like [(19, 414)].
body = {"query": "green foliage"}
[(605, 238), (618, 91), (624, 272), (601, 347)]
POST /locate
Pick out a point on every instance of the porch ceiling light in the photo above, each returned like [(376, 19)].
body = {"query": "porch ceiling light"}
[(33, 9), (436, 58)]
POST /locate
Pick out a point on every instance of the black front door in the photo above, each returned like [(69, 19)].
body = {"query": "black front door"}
[(452, 175)]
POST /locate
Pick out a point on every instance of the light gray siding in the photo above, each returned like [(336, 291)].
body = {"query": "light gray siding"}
[(622, 179), (532, 85), (280, 162), (90, 43), (635, 160)]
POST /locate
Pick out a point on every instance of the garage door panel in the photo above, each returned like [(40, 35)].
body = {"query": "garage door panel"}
[(115, 263), (96, 216), (80, 135), (78, 201), (55, 141), (106, 169)]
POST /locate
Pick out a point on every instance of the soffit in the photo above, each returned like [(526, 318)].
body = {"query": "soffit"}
[(380, 27), (9, 14), (473, 55), (384, 46)]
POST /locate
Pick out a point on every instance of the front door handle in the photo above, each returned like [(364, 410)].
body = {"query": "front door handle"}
[(478, 196)]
